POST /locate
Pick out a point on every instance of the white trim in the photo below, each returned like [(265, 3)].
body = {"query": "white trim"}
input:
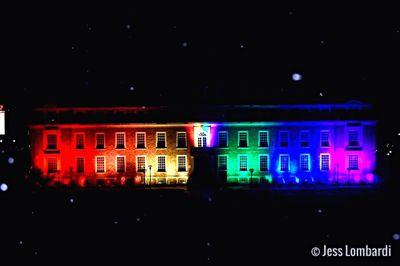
[(95, 165), (95, 140), (247, 162), (280, 162), (137, 163), (161, 132), (136, 139), (259, 163), (180, 132), (320, 162), (259, 138), (165, 170), (116, 143), (177, 163), (247, 138), (116, 163), (308, 161)]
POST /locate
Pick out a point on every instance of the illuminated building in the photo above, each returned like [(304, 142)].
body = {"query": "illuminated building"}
[(281, 144)]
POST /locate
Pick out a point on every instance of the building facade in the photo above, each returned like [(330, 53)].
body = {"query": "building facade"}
[(138, 151)]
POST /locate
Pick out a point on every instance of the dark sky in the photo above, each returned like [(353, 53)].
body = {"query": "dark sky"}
[(243, 53)]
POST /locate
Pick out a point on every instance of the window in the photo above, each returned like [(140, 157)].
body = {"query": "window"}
[(263, 139), (243, 162), (52, 165), (353, 138), (284, 138), (120, 140), (284, 162), (202, 140), (181, 140), (80, 165), (181, 163), (305, 162), (263, 162), (325, 162), (140, 140), (353, 162), (141, 163), (80, 140), (304, 138), (52, 141), (100, 164), (121, 164), (161, 163), (161, 140), (324, 138), (243, 142), (222, 162), (223, 139), (100, 141)]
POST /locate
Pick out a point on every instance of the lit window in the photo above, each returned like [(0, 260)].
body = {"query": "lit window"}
[(120, 140), (223, 139), (141, 163), (284, 162), (324, 138), (100, 164), (140, 140), (120, 164), (80, 165), (325, 162), (181, 163), (304, 139), (353, 138), (51, 141), (202, 140), (161, 163), (161, 140), (263, 162), (100, 141), (263, 138), (284, 138), (305, 162), (181, 140), (243, 162), (222, 162), (353, 162), (52, 165), (80, 141), (243, 139)]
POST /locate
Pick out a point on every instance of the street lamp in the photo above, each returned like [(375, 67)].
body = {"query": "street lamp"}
[(150, 174)]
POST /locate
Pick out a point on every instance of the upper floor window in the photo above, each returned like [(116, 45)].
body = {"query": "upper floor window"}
[(120, 140), (52, 141), (243, 139), (80, 141), (100, 141), (304, 138), (161, 140), (223, 139), (263, 139), (305, 162), (181, 140), (202, 140), (324, 138), (52, 165), (284, 138), (140, 140), (353, 137), (181, 163)]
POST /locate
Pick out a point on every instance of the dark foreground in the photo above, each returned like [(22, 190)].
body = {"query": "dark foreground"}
[(253, 227)]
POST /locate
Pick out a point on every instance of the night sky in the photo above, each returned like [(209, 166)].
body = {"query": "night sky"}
[(170, 54)]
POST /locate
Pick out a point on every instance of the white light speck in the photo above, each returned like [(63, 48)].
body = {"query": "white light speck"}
[(10, 160), (209, 199), (396, 237), (321, 94), (242, 46), (132, 88), (73, 47), (52, 120), (184, 44), (208, 244), (319, 211), (390, 151), (1, 140), (137, 219), (35, 253), (3, 187), (115, 222), (398, 134), (13, 140), (322, 42), (20, 242), (128, 26), (296, 77), (290, 13), (33, 212), (71, 200), (387, 145), (388, 154)]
